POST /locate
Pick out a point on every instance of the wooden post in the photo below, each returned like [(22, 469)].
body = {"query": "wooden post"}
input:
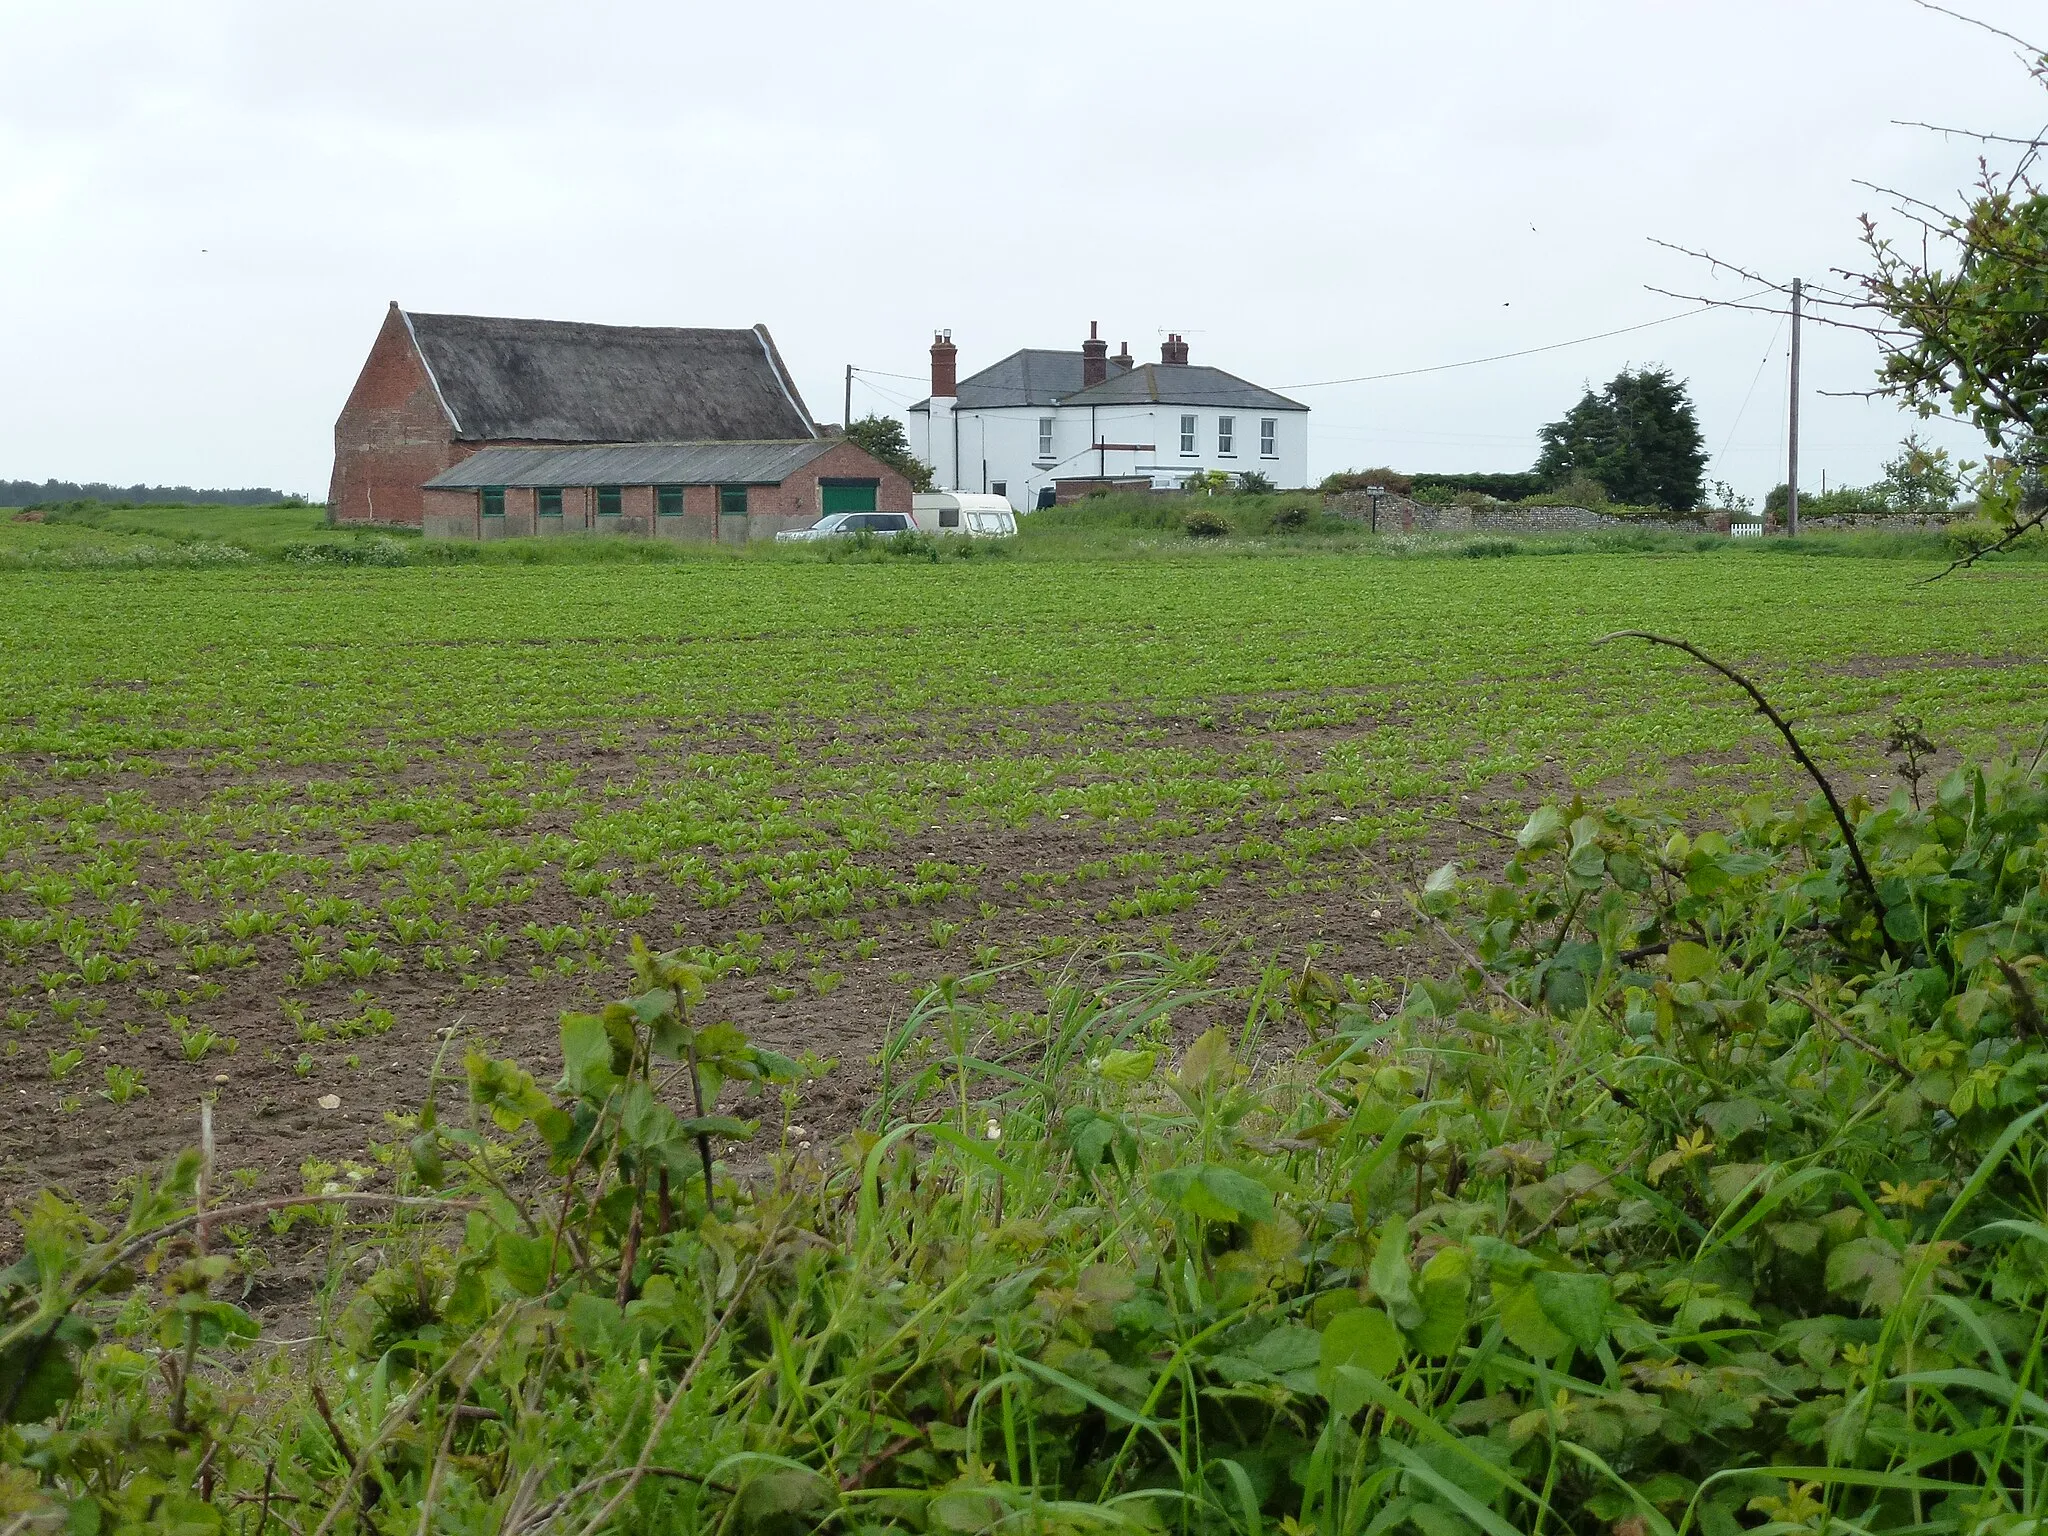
[(1792, 460)]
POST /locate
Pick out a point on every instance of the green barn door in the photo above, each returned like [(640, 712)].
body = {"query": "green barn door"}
[(848, 495)]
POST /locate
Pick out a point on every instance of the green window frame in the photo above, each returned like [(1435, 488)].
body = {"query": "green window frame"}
[(732, 500), (668, 501), (493, 500), (610, 501), (548, 501)]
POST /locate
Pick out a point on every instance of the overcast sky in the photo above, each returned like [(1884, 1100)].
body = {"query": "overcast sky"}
[(206, 204)]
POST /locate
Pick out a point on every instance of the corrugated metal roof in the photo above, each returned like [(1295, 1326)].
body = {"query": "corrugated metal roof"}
[(634, 464), (568, 382)]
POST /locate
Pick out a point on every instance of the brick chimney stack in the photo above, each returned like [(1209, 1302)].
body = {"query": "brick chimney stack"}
[(1123, 357), (1094, 358), (1173, 350), (945, 366)]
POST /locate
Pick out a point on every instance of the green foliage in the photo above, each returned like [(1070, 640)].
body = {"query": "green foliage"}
[(882, 437), (1639, 437), (1705, 1187), (1922, 479), (1389, 480), (1202, 523), (1502, 487), (1252, 483)]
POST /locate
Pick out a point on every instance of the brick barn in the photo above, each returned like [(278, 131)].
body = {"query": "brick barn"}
[(727, 491), (438, 388)]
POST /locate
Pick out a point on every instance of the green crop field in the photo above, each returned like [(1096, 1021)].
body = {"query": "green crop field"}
[(1188, 1088), (273, 832)]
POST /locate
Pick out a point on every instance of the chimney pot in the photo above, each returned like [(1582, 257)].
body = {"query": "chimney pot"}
[(945, 366), (1173, 350)]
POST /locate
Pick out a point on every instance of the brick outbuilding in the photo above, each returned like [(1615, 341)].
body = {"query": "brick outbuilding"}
[(438, 388), (730, 492)]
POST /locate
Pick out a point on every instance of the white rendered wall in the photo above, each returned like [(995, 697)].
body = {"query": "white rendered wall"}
[(1001, 445)]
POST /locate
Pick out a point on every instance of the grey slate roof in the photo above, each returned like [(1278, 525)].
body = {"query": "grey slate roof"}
[(1038, 377), (1182, 384), (634, 464), (1034, 376), (564, 381)]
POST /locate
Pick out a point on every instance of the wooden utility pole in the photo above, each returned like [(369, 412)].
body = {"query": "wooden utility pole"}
[(1792, 461), (846, 415)]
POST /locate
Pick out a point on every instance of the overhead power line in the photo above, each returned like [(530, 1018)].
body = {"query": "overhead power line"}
[(1409, 373), (1555, 346)]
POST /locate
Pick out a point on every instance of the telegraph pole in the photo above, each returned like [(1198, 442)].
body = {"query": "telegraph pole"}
[(1792, 463), (846, 415)]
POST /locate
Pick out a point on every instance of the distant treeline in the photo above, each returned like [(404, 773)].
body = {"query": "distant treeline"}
[(31, 493)]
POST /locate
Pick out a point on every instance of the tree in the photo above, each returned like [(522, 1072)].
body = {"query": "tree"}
[(881, 437), (1639, 437), (1921, 479), (1959, 311)]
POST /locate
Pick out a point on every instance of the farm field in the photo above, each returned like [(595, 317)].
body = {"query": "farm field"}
[(269, 835)]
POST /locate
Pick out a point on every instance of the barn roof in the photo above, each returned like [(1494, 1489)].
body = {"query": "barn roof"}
[(565, 381), (634, 464)]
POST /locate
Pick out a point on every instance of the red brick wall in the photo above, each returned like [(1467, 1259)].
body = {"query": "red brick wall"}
[(799, 501), (636, 509), (449, 514), (391, 436)]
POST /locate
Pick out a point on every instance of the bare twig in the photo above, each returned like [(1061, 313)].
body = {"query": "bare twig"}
[(1784, 729), (2010, 37)]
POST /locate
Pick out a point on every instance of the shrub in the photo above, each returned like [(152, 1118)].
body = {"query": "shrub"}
[(1392, 481), (1202, 523), (1289, 517), (1253, 483), (1578, 491)]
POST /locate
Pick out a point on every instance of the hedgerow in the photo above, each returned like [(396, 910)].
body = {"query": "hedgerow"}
[(1703, 1191)]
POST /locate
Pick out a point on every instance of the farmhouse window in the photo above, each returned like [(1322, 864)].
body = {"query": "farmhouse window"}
[(1187, 436), (668, 501), (1226, 437), (610, 501), (1269, 437), (1000, 487), (548, 501), (1045, 437), (732, 500), (494, 501)]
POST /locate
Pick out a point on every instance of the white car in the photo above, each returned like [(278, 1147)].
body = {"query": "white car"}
[(837, 524)]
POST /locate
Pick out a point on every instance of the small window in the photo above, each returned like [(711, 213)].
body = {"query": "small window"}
[(1269, 437), (1226, 437), (610, 501), (949, 517), (1187, 436), (494, 501), (668, 501), (1000, 487), (548, 501), (1045, 437), (732, 500)]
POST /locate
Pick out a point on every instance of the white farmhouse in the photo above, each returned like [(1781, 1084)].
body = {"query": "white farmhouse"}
[(1039, 417)]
